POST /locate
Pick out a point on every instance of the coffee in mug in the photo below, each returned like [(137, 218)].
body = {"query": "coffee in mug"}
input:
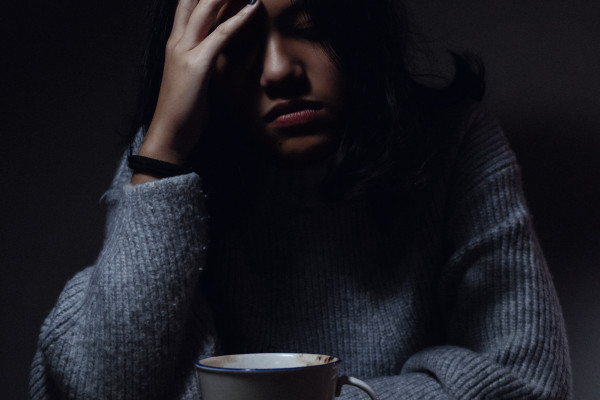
[(274, 376)]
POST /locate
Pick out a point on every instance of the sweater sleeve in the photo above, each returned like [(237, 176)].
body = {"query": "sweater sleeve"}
[(122, 328), (505, 335)]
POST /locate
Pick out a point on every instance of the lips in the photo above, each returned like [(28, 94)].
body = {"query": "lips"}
[(293, 112)]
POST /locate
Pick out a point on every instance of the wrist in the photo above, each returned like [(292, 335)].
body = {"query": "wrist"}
[(150, 169), (165, 144)]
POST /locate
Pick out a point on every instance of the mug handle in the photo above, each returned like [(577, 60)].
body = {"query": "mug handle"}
[(349, 380)]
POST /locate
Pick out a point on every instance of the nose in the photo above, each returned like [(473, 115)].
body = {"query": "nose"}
[(281, 66)]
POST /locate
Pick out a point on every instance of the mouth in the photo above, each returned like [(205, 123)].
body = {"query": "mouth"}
[(292, 113)]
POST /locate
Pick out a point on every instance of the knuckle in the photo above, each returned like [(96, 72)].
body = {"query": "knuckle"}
[(171, 45), (222, 30), (187, 64), (171, 51), (213, 3)]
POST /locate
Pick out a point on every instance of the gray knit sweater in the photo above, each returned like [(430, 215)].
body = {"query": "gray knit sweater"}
[(461, 306)]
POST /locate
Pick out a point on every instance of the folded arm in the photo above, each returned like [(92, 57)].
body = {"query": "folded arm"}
[(505, 335)]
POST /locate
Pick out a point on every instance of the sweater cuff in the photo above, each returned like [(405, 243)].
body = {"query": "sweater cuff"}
[(166, 187)]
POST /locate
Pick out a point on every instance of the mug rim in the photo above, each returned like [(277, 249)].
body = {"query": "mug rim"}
[(204, 367)]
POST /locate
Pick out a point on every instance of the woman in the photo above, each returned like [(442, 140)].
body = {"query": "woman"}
[(294, 189)]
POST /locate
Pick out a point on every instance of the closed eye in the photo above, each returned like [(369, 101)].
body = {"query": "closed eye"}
[(307, 32)]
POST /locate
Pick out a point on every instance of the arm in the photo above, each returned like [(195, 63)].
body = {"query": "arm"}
[(121, 328), (125, 328), (505, 337), (499, 299)]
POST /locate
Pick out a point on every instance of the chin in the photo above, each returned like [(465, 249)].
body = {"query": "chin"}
[(298, 151)]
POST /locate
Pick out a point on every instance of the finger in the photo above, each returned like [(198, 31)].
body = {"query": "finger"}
[(182, 15), (218, 38), (199, 23)]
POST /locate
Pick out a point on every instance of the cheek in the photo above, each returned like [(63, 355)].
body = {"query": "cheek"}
[(334, 80), (326, 77)]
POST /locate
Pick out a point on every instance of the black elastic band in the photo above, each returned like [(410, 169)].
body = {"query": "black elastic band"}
[(156, 167)]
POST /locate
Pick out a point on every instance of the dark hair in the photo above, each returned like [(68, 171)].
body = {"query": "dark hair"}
[(397, 128), (393, 121), (158, 16)]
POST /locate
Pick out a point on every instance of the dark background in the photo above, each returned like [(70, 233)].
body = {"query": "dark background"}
[(67, 83)]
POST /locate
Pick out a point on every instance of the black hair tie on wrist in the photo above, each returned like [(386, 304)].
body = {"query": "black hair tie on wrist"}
[(152, 166)]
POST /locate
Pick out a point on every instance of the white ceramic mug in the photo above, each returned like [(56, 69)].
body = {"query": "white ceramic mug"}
[(274, 376)]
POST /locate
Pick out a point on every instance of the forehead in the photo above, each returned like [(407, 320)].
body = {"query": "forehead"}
[(272, 9)]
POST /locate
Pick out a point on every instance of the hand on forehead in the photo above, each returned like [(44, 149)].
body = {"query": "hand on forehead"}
[(230, 8)]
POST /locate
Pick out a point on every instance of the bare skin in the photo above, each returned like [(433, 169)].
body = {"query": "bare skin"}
[(190, 57), (280, 84), (274, 77)]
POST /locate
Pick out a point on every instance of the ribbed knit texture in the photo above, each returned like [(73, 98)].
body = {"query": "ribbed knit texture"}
[(458, 306)]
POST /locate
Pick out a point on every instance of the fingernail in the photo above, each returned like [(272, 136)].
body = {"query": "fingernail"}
[(252, 2)]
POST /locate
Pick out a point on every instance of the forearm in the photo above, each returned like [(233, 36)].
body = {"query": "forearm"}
[(418, 385), (120, 328), (453, 372)]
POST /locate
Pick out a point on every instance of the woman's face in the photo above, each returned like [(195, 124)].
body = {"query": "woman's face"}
[(280, 84)]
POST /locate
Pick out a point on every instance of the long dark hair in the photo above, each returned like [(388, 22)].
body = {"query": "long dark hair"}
[(397, 128)]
